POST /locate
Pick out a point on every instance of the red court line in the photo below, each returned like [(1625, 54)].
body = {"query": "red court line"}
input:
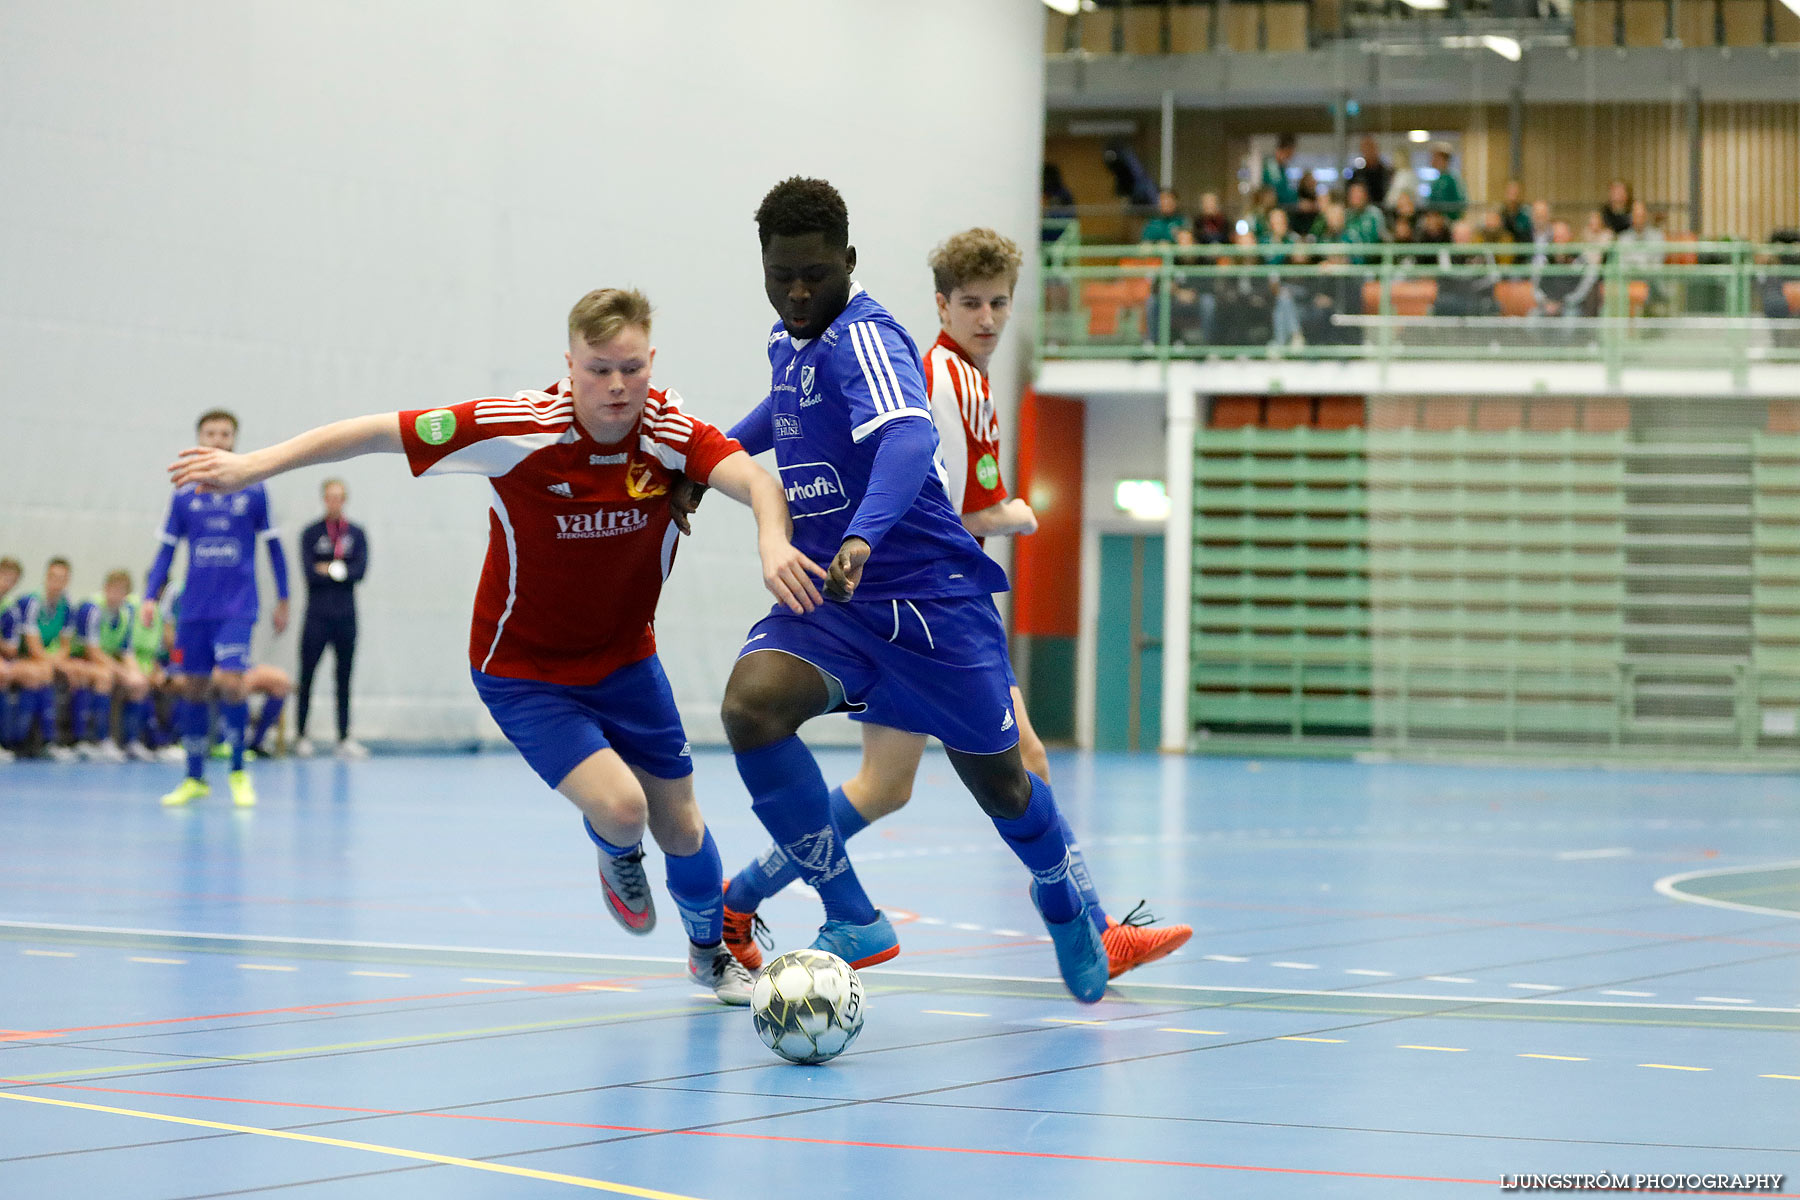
[(770, 1137), (17, 1034)]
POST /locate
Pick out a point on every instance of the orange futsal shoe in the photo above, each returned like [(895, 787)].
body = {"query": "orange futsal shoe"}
[(1132, 943), (742, 931)]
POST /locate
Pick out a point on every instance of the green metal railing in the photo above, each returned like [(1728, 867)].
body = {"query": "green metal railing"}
[(1388, 302)]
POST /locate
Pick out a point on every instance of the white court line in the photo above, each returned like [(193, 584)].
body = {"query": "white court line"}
[(1296, 966), (1366, 971), (1723, 1000), (1537, 987), (1225, 958), (1579, 855), (1667, 887), (572, 960), (1448, 979), (1623, 992)]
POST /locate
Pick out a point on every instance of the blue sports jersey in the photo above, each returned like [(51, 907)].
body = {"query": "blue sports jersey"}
[(828, 397), (10, 624), (222, 533)]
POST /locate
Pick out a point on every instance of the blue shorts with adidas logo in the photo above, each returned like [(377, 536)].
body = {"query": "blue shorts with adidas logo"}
[(937, 667), (556, 726)]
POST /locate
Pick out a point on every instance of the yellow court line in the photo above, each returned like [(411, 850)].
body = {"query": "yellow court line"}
[(264, 967), (165, 962), (49, 953), (1780, 1077), (1338, 1041), (1556, 1057), (1207, 1032), (1445, 1049), (1672, 1067), (598, 1185), (385, 975)]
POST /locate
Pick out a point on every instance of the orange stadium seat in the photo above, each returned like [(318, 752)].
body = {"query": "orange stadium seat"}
[(1791, 289), (1514, 297), (1411, 298)]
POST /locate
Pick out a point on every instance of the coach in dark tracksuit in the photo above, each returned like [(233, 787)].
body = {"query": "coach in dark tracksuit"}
[(336, 554)]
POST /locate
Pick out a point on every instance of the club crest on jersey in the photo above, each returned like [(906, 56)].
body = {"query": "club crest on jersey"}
[(807, 375), (601, 523), (641, 482)]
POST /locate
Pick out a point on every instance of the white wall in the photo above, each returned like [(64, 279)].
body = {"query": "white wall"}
[(307, 211)]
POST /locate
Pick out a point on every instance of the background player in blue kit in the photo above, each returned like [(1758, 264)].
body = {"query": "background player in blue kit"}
[(914, 629), (218, 609)]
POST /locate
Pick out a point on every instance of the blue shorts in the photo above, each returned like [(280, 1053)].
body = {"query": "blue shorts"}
[(557, 726), (936, 667), (203, 645)]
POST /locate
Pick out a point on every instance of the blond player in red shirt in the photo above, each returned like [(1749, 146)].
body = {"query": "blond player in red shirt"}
[(975, 273), (581, 537)]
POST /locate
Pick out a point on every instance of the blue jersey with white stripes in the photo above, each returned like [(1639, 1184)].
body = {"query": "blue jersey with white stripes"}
[(11, 624), (222, 534), (829, 399)]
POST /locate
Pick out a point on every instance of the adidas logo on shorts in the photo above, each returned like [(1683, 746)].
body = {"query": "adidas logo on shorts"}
[(1008, 723), (563, 489)]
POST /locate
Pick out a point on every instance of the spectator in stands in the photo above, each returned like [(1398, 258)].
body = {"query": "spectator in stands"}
[(1557, 288), (1640, 250), (1261, 204), (1278, 250), (1515, 218), (1617, 212), (1336, 290), (1597, 234), (1372, 171), (1242, 304), (1405, 207), (1330, 224), (1434, 228), (1540, 232), (1362, 219), (1160, 230), (1493, 232), (1057, 203), (1404, 235), (1447, 195), (1055, 194), (1307, 210), (1211, 228), (1190, 310), (1466, 289), (1275, 174), (1641, 244)]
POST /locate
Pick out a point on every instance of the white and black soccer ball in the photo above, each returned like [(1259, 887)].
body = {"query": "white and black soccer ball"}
[(807, 1006)]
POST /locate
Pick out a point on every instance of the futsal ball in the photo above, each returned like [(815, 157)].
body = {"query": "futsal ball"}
[(807, 1006)]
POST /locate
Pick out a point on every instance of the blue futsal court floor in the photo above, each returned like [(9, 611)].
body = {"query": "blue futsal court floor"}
[(394, 979)]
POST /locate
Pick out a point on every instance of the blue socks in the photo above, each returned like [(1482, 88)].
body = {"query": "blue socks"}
[(1078, 871), (194, 720), (694, 885), (46, 713), (81, 713), (789, 797), (773, 870), (137, 720), (271, 711), (1036, 837), (235, 718)]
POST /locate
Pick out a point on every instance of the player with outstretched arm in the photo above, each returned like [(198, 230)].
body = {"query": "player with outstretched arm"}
[(580, 539)]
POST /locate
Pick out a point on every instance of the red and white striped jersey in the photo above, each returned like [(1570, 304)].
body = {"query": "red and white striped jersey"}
[(968, 428), (580, 537)]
